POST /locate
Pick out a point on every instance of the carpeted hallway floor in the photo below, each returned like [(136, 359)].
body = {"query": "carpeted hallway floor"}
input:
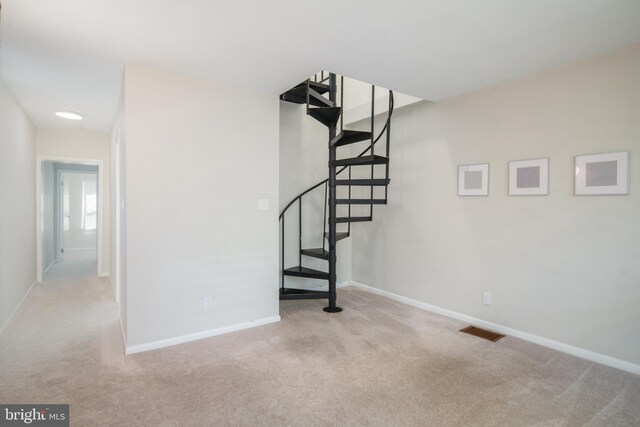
[(379, 363), (83, 263)]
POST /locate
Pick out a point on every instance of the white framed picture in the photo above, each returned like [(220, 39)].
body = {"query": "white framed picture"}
[(529, 177), (473, 180), (601, 174)]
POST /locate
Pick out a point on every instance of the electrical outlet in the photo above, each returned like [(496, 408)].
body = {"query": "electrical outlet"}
[(208, 303), (486, 298)]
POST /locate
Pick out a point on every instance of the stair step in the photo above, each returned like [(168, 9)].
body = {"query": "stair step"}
[(298, 95), (363, 160), (353, 219), (316, 253), (339, 235), (325, 115), (300, 271), (361, 201), (318, 87), (316, 97), (289, 294), (349, 137), (363, 182)]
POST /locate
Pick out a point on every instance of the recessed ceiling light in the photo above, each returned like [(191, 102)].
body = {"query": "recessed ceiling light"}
[(68, 115)]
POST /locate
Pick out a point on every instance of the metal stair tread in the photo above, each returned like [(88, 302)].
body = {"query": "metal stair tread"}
[(343, 219), (293, 294), (363, 160), (339, 235), (320, 253), (325, 115), (361, 201), (300, 271), (350, 137), (363, 182), (298, 95), (321, 88), (313, 95)]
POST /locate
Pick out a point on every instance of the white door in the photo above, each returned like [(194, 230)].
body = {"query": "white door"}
[(79, 211)]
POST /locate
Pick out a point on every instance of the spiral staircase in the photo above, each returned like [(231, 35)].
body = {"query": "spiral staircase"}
[(320, 96)]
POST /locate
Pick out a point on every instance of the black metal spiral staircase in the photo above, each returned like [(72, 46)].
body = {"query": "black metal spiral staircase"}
[(313, 92)]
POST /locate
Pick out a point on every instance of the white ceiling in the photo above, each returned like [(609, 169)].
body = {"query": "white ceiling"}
[(68, 54)]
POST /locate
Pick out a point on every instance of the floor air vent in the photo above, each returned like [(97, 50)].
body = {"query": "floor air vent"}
[(482, 333)]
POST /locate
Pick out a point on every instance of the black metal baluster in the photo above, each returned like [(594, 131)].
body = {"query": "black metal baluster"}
[(341, 104), (282, 253), (300, 232), (373, 104), (308, 87), (332, 307), (324, 220), (349, 224), (386, 173)]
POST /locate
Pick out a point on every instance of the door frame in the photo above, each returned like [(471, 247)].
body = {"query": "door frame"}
[(40, 211)]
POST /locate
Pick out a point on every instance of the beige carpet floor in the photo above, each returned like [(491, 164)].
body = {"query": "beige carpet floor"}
[(75, 264), (379, 363)]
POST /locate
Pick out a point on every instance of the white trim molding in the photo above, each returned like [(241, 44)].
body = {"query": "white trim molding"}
[(124, 336), (46, 270), (545, 342), (154, 345), (15, 310)]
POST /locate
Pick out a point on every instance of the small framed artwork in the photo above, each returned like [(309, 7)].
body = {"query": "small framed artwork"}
[(529, 177), (601, 174), (473, 180)]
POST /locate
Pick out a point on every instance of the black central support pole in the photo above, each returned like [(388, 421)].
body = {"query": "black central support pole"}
[(332, 307)]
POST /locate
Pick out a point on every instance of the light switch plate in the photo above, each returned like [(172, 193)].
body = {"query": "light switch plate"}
[(263, 204)]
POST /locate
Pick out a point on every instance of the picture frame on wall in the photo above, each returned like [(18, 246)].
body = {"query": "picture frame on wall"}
[(602, 174), (473, 180), (529, 177)]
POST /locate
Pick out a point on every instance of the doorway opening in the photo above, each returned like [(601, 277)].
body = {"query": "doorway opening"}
[(70, 219)]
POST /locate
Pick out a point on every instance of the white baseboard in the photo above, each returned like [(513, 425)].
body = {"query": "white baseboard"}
[(15, 310), (104, 274), (46, 270), (545, 342), (124, 336), (198, 335)]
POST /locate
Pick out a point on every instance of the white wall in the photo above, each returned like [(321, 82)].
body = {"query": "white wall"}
[(17, 204), (357, 101), (198, 158), (82, 144), (559, 266), (304, 155)]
